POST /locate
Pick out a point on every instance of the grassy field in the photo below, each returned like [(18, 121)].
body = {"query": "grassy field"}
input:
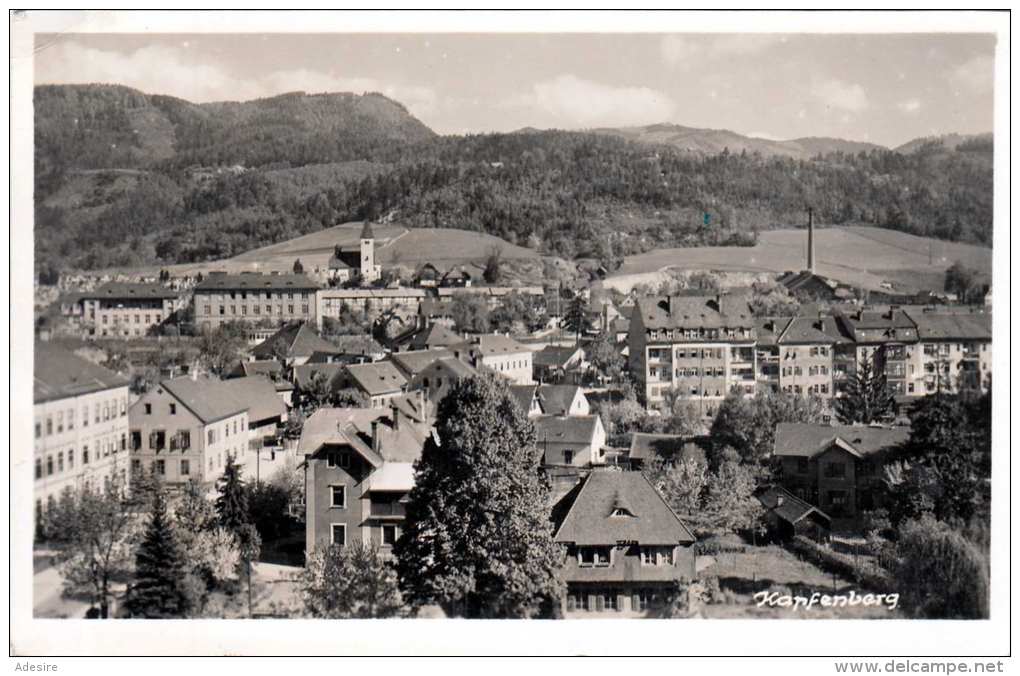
[(395, 245), (859, 256), (742, 574)]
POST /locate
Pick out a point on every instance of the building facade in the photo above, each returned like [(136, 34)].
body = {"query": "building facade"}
[(81, 424), (122, 310), (185, 429), (626, 548), (272, 299), (702, 347)]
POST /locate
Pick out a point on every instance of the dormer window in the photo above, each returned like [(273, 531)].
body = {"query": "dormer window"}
[(594, 557), (622, 512)]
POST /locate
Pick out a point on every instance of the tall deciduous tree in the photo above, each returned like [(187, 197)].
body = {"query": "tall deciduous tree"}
[(97, 531), (867, 397), (159, 588), (749, 425), (352, 581), (477, 537), (940, 575)]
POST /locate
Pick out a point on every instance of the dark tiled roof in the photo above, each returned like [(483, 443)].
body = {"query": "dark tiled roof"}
[(575, 429), (695, 312), (378, 378), (807, 439), (556, 399), (446, 367), (646, 447), (588, 520), (303, 373), (945, 326), (300, 339), (414, 362), (366, 231), (259, 393), (434, 336), (788, 506), (554, 356), (491, 344), (208, 398), (769, 329), (60, 373), (523, 395), (805, 330), (124, 291), (256, 282)]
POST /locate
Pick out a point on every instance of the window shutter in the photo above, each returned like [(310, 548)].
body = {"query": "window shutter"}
[(635, 602), (593, 602), (570, 602), (600, 600), (619, 602)]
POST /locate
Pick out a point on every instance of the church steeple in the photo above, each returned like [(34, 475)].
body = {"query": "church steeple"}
[(366, 231)]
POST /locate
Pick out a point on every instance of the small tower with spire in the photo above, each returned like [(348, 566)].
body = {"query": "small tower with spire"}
[(369, 270)]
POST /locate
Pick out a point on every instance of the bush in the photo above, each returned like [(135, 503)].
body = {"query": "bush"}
[(841, 564)]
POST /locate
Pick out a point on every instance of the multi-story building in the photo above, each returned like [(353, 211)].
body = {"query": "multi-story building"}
[(626, 549), (500, 354), (570, 441), (359, 468), (404, 301), (767, 332), (702, 347), (805, 357), (837, 468), (186, 428), (955, 352), (889, 340), (272, 299), (81, 425), (122, 310)]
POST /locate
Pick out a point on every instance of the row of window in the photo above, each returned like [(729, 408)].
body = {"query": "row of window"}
[(603, 600), (698, 334), (387, 536), (268, 295), (709, 372), (255, 310), (118, 319), (61, 420), (61, 461)]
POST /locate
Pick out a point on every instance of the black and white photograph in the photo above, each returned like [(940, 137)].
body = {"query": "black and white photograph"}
[(632, 333)]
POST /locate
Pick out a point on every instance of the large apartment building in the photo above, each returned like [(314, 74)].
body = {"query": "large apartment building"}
[(81, 425), (273, 299), (121, 310), (919, 349), (698, 345)]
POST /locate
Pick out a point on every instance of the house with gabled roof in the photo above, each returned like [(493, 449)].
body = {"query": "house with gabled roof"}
[(379, 381), (787, 515), (186, 428), (359, 468), (553, 363), (500, 354), (571, 441), (436, 380), (430, 337), (626, 549), (838, 468), (296, 342)]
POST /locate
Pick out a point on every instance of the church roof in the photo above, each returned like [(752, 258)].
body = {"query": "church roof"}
[(366, 231)]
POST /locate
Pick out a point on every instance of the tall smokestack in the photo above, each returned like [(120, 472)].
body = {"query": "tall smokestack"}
[(811, 240)]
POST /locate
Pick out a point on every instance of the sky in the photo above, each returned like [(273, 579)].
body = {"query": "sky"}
[(882, 88)]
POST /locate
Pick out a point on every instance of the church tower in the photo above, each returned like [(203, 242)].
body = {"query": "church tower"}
[(369, 271)]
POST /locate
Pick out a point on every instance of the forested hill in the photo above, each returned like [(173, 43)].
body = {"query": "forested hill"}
[(125, 178)]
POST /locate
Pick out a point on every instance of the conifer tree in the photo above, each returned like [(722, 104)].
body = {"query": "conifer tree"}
[(477, 538), (160, 587), (232, 503), (867, 397)]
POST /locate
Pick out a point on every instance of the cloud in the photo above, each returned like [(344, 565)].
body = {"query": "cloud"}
[(573, 101), (171, 70), (910, 106), (683, 50), (841, 95), (976, 74)]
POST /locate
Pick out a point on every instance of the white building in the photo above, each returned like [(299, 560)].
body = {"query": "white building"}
[(81, 425)]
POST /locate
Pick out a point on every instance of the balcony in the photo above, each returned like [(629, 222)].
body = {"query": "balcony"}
[(386, 510)]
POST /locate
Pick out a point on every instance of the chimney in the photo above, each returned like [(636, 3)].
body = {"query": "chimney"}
[(375, 435), (395, 415), (811, 240), (780, 500)]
